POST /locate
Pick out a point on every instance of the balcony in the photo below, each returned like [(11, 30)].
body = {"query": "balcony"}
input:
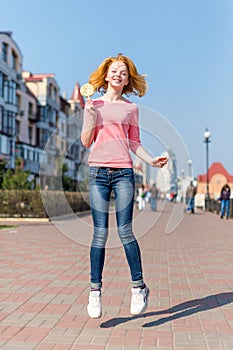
[(32, 116)]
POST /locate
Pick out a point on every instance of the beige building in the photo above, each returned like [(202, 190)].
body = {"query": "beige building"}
[(36, 123), (218, 177), (18, 109), (46, 90), (10, 79)]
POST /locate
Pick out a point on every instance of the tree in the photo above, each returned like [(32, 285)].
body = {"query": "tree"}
[(17, 179), (66, 180), (3, 163)]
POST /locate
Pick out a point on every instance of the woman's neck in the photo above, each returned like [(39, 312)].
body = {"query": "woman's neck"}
[(112, 95)]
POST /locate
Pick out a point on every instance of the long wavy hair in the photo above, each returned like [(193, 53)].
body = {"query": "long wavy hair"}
[(137, 84)]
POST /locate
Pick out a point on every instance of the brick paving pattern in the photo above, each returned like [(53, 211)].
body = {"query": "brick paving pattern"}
[(44, 287)]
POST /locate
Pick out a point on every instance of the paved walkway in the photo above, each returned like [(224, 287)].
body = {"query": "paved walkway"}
[(44, 286)]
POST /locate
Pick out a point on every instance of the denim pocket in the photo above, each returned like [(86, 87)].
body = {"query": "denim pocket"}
[(93, 171)]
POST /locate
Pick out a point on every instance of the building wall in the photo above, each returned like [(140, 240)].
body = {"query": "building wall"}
[(10, 78), (26, 117), (34, 116), (12, 49), (218, 177)]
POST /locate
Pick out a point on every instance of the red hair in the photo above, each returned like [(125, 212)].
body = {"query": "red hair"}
[(137, 84)]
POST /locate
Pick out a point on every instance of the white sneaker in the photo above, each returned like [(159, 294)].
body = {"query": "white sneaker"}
[(94, 307), (139, 300)]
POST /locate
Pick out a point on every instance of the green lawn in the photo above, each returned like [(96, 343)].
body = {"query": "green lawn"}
[(6, 226)]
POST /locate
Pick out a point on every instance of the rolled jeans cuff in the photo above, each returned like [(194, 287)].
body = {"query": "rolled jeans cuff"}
[(138, 283), (96, 285)]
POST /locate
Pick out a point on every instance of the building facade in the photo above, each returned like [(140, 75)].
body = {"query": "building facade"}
[(35, 119), (10, 79), (218, 177)]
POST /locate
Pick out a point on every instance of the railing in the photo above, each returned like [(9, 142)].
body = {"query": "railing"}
[(214, 206)]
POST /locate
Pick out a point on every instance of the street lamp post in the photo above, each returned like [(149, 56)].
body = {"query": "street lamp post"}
[(207, 141)]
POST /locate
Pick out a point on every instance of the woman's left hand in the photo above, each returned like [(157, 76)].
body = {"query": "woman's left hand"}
[(159, 162)]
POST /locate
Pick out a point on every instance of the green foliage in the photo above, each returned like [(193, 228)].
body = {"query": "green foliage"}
[(17, 179), (3, 164), (66, 180)]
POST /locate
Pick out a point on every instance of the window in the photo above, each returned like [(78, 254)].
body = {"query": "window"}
[(1, 117), (50, 90), (5, 88), (55, 93), (44, 114), (50, 114), (1, 84), (8, 122), (17, 125), (5, 145), (18, 102), (38, 157), (30, 134), (13, 60), (12, 92), (43, 138), (4, 51), (30, 109), (9, 92)]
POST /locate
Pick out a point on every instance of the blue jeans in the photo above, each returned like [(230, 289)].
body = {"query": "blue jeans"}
[(153, 204), (225, 205), (102, 182), (191, 205)]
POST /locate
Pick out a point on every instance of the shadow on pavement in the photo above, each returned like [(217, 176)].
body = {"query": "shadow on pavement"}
[(185, 309)]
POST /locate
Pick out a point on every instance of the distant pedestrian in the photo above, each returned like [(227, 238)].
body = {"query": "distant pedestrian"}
[(111, 123), (153, 197), (141, 197), (225, 200), (190, 197)]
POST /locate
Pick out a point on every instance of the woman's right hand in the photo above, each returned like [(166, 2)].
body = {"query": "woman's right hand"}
[(90, 107)]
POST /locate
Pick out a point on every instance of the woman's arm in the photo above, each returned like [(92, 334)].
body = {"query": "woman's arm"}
[(89, 124), (136, 146), (157, 162)]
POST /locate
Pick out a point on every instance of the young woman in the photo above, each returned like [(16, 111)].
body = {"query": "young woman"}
[(111, 122), (225, 200)]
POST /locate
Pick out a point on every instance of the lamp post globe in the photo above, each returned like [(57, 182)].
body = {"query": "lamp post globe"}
[(207, 135)]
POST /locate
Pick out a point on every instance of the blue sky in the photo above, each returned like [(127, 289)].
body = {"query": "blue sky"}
[(184, 46)]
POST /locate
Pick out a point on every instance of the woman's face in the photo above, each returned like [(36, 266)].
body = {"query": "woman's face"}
[(118, 75)]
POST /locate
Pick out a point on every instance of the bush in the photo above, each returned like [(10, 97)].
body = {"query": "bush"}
[(28, 203)]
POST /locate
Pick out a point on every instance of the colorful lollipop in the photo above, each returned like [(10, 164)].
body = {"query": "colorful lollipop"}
[(87, 90)]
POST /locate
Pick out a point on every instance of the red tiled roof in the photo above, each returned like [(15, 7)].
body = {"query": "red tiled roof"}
[(39, 77), (216, 168), (43, 75), (77, 97), (33, 79)]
